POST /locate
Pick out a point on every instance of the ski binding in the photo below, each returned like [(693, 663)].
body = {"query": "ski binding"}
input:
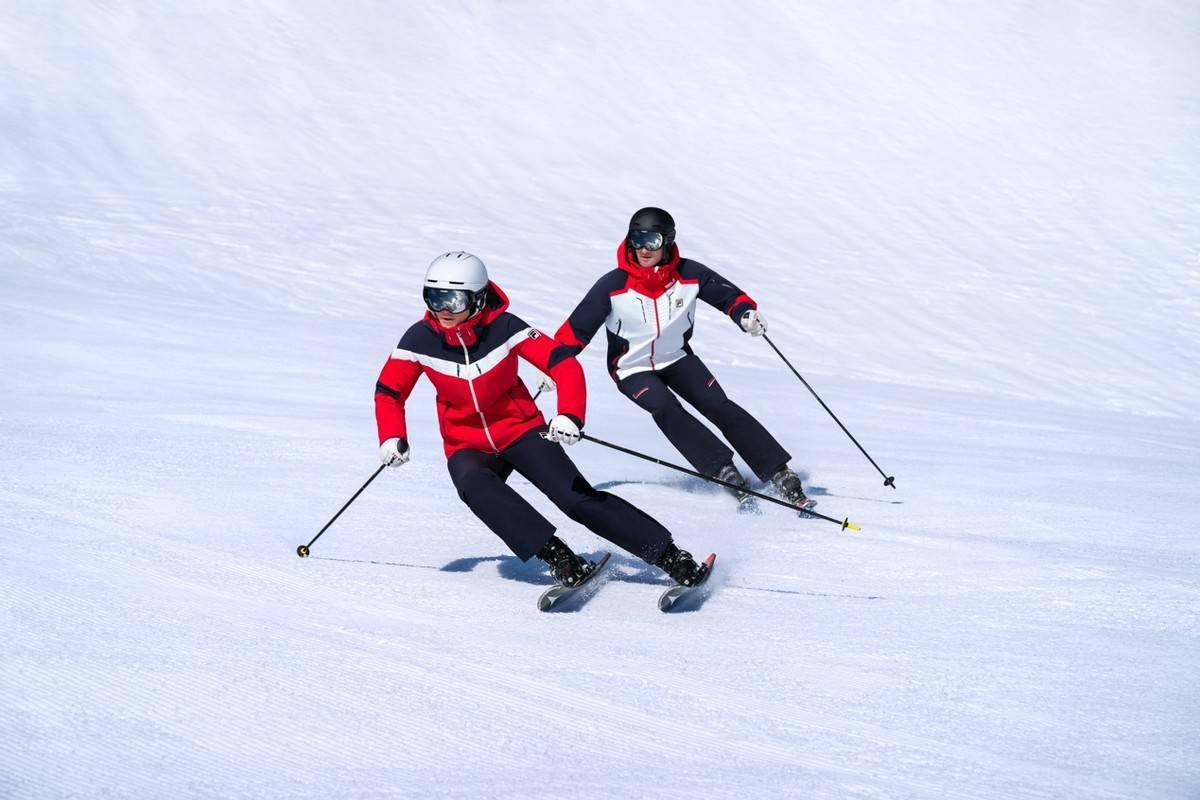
[(679, 597), (558, 597)]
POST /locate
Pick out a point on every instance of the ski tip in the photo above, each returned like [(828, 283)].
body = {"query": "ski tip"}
[(708, 562)]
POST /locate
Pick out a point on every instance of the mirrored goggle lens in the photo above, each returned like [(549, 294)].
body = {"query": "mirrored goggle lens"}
[(453, 300), (645, 240)]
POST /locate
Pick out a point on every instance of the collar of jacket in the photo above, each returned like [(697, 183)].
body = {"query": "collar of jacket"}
[(467, 332), (649, 280)]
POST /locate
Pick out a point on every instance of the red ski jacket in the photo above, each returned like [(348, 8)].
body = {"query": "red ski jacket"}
[(481, 403)]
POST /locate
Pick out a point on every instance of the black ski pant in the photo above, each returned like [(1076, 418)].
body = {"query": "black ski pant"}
[(480, 479), (690, 379)]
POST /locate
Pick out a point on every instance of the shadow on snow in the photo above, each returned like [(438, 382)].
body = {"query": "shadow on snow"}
[(623, 569)]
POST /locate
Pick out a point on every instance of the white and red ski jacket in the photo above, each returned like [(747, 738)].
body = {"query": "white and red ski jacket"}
[(649, 314), (481, 403)]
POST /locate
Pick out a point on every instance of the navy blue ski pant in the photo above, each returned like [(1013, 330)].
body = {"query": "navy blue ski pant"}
[(690, 379), (480, 479)]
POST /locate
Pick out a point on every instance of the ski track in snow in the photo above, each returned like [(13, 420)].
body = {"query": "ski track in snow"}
[(973, 230)]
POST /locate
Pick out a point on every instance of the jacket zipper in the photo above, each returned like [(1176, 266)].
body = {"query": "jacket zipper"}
[(657, 333), (474, 399)]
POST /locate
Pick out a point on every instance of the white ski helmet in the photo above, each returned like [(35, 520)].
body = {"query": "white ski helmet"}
[(456, 281)]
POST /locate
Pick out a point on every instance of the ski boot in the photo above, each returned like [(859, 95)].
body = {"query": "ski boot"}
[(566, 568), (788, 484), (680, 565), (747, 504)]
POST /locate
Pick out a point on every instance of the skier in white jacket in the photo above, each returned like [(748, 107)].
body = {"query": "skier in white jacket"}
[(648, 308)]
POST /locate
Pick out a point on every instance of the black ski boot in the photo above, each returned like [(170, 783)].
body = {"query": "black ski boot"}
[(747, 504), (680, 565), (565, 567), (788, 484)]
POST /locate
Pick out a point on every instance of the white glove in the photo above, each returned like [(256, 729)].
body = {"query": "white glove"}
[(563, 430), (390, 453), (547, 385), (754, 323)]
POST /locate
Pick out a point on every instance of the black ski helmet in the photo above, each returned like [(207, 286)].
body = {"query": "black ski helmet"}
[(653, 219)]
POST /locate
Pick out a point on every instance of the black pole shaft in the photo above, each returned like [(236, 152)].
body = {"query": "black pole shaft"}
[(844, 523), (302, 550), (888, 480)]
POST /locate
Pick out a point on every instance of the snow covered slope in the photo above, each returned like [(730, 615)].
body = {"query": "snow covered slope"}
[(973, 227)]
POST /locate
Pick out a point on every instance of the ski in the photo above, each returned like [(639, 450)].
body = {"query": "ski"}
[(679, 597), (559, 597)]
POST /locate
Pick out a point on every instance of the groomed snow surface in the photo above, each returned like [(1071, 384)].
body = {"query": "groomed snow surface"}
[(971, 226)]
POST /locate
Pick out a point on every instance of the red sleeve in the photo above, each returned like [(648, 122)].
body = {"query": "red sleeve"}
[(396, 382), (556, 360), (566, 335)]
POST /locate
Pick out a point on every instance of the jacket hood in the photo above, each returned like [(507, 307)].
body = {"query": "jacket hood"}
[(467, 332)]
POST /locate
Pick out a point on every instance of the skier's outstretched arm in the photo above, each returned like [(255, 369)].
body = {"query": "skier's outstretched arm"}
[(557, 360), (587, 318), (718, 292), (396, 381)]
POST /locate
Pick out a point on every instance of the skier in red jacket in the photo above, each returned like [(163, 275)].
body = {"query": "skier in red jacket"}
[(468, 344)]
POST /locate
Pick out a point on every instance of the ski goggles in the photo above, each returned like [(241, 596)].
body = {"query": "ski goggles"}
[(646, 240), (455, 301)]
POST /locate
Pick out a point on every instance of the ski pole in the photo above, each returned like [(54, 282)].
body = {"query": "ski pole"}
[(302, 550), (845, 523), (888, 480)]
